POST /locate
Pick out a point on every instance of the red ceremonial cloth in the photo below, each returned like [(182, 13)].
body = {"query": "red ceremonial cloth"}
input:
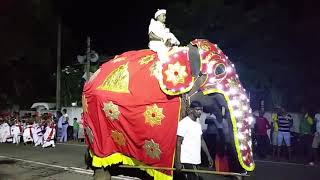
[(222, 163), (131, 123)]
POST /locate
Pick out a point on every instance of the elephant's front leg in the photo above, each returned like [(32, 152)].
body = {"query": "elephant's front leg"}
[(183, 106)]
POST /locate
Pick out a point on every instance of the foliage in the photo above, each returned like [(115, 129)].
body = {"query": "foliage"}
[(254, 37), (71, 85), (27, 55)]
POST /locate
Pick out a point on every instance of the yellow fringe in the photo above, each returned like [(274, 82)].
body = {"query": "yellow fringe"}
[(120, 158)]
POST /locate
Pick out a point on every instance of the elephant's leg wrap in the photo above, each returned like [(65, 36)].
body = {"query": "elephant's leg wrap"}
[(184, 106), (101, 174), (88, 159)]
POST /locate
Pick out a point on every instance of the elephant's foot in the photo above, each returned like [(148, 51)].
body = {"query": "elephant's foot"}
[(238, 178), (101, 174)]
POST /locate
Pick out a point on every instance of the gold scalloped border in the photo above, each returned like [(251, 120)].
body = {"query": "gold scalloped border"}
[(117, 158)]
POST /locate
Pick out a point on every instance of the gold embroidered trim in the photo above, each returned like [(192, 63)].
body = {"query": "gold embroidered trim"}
[(111, 110), (153, 115), (152, 149), (146, 59), (117, 80), (176, 73), (118, 138)]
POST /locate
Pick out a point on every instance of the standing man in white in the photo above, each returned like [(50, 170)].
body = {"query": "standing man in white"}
[(190, 142), (65, 125), (16, 131), (160, 37)]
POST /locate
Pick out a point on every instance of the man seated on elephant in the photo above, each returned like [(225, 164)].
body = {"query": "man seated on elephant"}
[(190, 142), (160, 37)]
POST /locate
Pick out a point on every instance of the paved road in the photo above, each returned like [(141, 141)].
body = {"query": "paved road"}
[(66, 162), (26, 162)]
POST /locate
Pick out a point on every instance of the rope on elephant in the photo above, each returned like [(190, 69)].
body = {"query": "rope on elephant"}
[(186, 170)]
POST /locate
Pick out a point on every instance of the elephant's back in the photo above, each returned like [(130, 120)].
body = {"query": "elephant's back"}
[(130, 75), (126, 115)]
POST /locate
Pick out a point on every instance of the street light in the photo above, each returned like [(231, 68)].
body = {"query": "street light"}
[(91, 56)]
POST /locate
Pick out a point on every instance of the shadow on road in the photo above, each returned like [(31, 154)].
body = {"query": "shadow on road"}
[(7, 162), (4, 176)]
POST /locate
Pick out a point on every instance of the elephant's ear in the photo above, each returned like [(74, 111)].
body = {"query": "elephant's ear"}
[(176, 76), (195, 61)]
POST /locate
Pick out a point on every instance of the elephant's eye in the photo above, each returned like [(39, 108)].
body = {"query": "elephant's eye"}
[(220, 69)]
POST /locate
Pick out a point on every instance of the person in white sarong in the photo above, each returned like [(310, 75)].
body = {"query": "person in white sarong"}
[(28, 133), (17, 131), (160, 37), (81, 130), (5, 132), (37, 135), (1, 123), (48, 136)]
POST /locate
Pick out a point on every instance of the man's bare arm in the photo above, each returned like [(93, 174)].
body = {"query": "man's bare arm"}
[(178, 152)]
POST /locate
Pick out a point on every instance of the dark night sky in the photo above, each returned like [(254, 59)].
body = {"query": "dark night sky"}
[(122, 26), (114, 28), (28, 37)]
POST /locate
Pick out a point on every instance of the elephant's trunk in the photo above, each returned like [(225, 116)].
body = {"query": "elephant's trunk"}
[(233, 114)]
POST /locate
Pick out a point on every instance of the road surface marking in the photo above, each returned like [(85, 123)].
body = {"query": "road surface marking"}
[(83, 145), (73, 169), (283, 163), (79, 170)]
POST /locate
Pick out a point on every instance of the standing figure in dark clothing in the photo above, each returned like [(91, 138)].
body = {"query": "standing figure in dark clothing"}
[(211, 134), (261, 127)]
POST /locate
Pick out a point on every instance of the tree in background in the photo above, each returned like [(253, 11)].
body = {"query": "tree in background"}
[(257, 37)]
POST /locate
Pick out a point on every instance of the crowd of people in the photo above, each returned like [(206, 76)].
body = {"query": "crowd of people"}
[(39, 131), (305, 142), (42, 130)]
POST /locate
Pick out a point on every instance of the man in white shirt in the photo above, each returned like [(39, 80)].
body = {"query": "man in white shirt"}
[(59, 124), (190, 142), (160, 37), (65, 125)]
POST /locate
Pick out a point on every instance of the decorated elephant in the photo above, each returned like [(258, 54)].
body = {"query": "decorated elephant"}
[(132, 105)]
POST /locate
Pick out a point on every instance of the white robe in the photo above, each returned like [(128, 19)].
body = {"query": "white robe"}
[(5, 133), (37, 135), (48, 136), (160, 30), (1, 132), (28, 134), (16, 131)]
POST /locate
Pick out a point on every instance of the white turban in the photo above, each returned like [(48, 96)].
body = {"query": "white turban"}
[(159, 12)]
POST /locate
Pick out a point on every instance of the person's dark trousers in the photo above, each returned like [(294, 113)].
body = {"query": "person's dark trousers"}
[(210, 140), (190, 175), (305, 146), (70, 132), (263, 143)]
